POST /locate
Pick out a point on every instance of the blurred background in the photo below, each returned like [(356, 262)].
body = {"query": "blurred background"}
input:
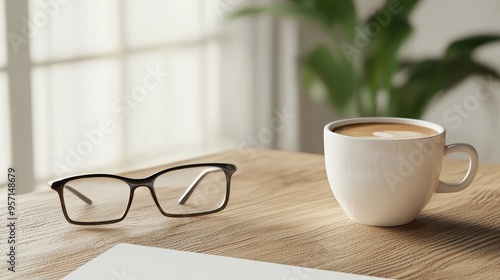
[(112, 86)]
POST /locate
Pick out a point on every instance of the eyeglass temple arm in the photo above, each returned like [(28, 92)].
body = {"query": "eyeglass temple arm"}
[(79, 194), (185, 196)]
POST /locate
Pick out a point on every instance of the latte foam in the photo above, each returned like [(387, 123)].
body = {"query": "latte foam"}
[(386, 131)]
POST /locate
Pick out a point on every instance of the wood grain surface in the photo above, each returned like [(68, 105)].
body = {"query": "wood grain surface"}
[(281, 210)]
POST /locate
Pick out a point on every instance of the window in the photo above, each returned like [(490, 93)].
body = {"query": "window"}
[(119, 85)]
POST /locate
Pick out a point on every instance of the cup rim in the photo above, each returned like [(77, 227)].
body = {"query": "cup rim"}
[(330, 127)]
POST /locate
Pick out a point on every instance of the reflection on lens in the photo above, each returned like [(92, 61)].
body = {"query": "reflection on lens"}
[(191, 190), (109, 198)]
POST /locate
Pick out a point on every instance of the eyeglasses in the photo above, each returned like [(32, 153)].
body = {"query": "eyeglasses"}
[(182, 191)]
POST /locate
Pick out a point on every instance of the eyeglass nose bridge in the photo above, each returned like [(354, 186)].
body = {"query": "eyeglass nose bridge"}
[(147, 183), (135, 185)]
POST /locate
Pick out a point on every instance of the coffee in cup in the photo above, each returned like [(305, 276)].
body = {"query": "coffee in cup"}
[(386, 131), (383, 171)]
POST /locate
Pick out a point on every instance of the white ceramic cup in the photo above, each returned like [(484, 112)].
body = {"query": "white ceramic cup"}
[(384, 181)]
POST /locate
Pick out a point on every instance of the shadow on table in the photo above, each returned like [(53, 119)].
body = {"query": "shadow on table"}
[(445, 232)]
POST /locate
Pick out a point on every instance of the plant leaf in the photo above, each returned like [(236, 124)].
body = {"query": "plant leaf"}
[(431, 77), (382, 57), (465, 46), (404, 99), (459, 69), (336, 78), (341, 17), (386, 31)]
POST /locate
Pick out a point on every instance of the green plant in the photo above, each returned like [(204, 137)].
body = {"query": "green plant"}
[(357, 62)]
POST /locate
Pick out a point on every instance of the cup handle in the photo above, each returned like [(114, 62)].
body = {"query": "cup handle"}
[(444, 187)]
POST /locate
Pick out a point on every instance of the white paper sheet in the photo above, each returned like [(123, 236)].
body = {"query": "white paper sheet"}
[(134, 262)]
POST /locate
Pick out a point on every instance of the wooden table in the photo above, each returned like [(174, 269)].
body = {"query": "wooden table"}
[(281, 210)]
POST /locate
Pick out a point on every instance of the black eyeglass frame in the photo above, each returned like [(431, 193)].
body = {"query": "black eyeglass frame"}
[(133, 183)]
